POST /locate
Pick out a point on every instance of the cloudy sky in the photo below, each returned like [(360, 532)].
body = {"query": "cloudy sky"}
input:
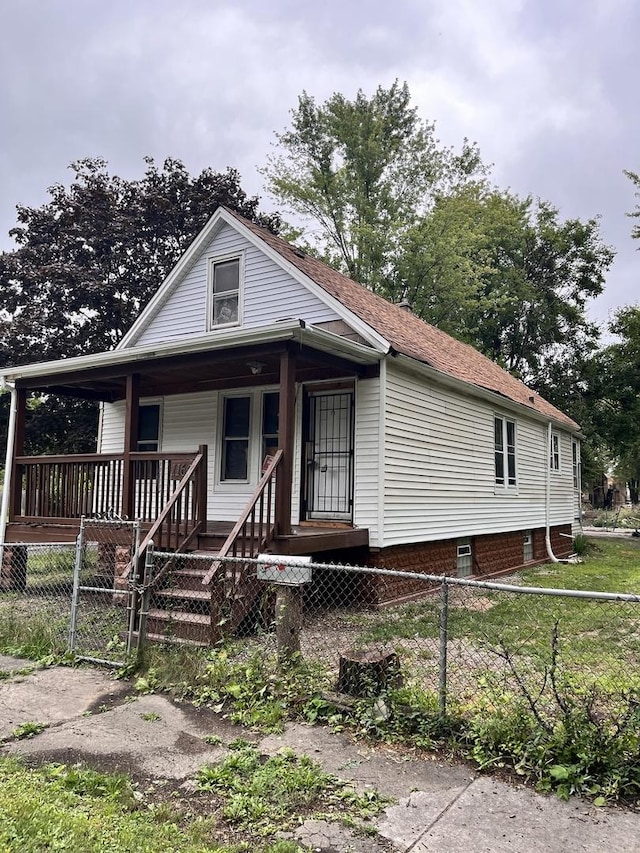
[(547, 88)]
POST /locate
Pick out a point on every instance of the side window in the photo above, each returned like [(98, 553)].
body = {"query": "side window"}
[(148, 428), (505, 451), (270, 405), (235, 438), (575, 461), (554, 460), (225, 292)]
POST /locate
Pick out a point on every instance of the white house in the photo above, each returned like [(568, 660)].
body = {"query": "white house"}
[(388, 440)]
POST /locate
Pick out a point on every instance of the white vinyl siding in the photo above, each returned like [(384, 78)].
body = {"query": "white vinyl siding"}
[(269, 294), (440, 467), (366, 461)]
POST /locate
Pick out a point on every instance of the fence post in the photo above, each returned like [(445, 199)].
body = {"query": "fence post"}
[(442, 667), (146, 598), (75, 596), (134, 591)]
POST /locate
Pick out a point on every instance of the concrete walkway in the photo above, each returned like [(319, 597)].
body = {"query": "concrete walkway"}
[(440, 806)]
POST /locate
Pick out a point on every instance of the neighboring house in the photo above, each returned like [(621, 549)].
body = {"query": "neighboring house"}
[(390, 442)]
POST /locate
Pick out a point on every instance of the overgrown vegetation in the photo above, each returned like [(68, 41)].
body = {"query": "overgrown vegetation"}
[(72, 808), (553, 695)]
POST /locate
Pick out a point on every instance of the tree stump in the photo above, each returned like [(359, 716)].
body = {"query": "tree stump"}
[(369, 672), (288, 621)]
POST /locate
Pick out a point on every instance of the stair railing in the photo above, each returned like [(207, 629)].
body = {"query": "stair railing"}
[(176, 527), (256, 526)]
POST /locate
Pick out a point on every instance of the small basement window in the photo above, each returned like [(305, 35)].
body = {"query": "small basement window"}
[(527, 547), (464, 558)]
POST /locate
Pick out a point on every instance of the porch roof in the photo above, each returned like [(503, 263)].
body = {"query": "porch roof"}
[(230, 358)]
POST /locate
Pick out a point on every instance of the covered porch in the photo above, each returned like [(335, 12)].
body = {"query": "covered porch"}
[(168, 490)]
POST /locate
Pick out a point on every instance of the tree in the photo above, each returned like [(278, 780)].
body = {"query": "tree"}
[(509, 277), (89, 260), (361, 172), (615, 395)]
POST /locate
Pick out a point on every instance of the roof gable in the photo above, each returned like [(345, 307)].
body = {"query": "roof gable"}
[(272, 290)]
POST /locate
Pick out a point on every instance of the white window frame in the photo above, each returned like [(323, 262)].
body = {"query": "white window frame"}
[(576, 463), (464, 566), (211, 265), (527, 547), (505, 484), (254, 452), (221, 440), (159, 402), (555, 461)]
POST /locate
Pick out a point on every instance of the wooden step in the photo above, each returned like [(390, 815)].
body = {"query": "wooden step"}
[(192, 595), (179, 624), (191, 576), (173, 641)]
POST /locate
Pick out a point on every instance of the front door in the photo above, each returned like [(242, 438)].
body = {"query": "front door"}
[(329, 455)]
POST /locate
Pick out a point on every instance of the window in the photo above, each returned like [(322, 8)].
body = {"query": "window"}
[(270, 406), (225, 291), (575, 460), (505, 451), (464, 558), (148, 428), (235, 438), (554, 460), (527, 548)]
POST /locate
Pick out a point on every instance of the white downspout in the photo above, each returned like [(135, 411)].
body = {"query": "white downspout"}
[(547, 534), (8, 465)]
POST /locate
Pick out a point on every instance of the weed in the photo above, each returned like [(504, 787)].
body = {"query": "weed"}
[(265, 795), (28, 730), (151, 717)]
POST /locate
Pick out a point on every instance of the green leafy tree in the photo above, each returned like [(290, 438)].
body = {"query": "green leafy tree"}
[(87, 262), (360, 173), (508, 276), (615, 395)]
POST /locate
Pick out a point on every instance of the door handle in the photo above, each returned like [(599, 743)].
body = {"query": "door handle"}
[(323, 469)]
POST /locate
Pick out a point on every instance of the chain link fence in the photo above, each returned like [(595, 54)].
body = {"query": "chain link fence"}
[(467, 644), (71, 597)]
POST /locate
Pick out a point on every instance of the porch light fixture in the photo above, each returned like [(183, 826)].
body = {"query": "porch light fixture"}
[(255, 367)]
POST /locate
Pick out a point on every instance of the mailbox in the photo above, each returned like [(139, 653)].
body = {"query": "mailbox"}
[(278, 568)]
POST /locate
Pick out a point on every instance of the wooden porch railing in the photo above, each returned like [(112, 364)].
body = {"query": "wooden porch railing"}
[(255, 527), (64, 488)]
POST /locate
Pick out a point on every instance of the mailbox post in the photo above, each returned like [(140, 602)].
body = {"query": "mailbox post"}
[(288, 574)]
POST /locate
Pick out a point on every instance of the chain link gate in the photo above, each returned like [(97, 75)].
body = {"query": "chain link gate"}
[(104, 604)]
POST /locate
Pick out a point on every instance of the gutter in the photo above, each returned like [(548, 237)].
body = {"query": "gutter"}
[(8, 465)]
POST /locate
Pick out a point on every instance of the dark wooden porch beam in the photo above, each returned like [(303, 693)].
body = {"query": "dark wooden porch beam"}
[(132, 412), (83, 393), (286, 425)]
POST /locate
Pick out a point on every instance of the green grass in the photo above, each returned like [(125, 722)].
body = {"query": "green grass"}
[(596, 638), (57, 807)]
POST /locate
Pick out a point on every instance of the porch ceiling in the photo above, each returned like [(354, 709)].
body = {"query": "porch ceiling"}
[(182, 373)]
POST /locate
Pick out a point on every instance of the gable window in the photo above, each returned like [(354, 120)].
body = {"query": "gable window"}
[(505, 451), (235, 438), (148, 428), (225, 290), (554, 458)]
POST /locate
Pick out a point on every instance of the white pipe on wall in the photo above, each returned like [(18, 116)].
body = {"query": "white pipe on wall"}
[(547, 533)]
